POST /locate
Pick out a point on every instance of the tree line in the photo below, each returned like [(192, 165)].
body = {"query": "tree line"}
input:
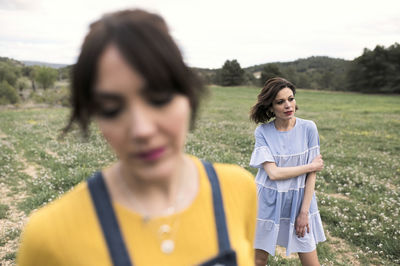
[(375, 71), (15, 77)]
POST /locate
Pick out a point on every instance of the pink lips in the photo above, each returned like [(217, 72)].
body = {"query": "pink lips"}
[(151, 155), (289, 113)]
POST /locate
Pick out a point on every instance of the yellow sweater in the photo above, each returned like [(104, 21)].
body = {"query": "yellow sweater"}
[(67, 232)]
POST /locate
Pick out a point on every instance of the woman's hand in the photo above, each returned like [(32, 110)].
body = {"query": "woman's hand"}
[(301, 224), (317, 164)]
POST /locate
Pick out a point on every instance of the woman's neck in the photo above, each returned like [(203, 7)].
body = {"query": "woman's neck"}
[(155, 197), (285, 125)]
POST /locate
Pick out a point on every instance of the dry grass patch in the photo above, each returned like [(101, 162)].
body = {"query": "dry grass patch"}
[(342, 250), (281, 251)]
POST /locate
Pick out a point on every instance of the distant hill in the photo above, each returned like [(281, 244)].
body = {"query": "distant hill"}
[(38, 63), (313, 63), (11, 61), (315, 72)]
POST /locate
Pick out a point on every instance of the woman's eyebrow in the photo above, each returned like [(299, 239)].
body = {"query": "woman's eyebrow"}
[(102, 95), (283, 98)]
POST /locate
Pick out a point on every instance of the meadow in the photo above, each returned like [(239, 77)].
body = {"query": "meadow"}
[(358, 191)]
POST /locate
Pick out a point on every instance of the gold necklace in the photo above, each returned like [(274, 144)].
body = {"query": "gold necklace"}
[(167, 234), (167, 231)]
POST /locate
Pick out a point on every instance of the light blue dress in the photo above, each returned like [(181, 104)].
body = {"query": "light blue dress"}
[(279, 202)]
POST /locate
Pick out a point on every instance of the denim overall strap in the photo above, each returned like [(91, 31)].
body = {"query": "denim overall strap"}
[(113, 236), (219, 212), (108, 220)]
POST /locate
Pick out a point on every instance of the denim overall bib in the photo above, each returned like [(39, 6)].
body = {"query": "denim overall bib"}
[(112, 233)]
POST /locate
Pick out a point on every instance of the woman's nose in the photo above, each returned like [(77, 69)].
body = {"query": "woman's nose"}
[(142, 123), (287, 104)]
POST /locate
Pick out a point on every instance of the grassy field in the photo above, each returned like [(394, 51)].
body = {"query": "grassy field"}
[(358, 191)]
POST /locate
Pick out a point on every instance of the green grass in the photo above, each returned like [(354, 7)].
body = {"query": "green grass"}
[(358, 191), (10, 256), (325, 255), (10, 234), (3, 210)]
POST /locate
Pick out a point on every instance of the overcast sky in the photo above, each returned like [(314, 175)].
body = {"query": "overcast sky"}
[(209, 31)]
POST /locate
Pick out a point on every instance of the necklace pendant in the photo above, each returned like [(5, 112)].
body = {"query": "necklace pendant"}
[(164, 229), (167, 246)]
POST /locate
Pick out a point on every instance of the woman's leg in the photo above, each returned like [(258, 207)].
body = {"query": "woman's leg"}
[(309, 258), (261, 257)]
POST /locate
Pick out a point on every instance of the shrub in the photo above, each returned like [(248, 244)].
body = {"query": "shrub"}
[(22, 83), (52, 97), (9, 73), (46, 76), (8, 94)]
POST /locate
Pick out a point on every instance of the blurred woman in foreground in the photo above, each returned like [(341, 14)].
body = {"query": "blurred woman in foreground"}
[(155, 205)]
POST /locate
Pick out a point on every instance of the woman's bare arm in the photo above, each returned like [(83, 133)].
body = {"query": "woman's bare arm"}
[(302, 219), (280, 173)]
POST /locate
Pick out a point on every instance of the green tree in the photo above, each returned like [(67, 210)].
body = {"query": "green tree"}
[(205, 74), (303, 81), (46, 76), (250, 79), (30, 72), (376, 70), (290, 74), (9, 73), (231, 74), (326, 80), (8, 94), (64, 73), (269, 71), (22, 84)]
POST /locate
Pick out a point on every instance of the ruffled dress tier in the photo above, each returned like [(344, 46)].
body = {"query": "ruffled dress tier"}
[(279, 202)]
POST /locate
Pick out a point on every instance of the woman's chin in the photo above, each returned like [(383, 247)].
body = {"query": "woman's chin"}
[(159, 171)]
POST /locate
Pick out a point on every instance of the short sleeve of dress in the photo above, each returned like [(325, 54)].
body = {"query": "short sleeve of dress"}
[(261, 152), (313, 142)]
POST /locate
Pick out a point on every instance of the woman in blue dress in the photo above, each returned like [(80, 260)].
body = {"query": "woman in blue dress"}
[(287, 156)]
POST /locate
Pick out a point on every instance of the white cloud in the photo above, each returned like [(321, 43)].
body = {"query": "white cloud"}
[(19, 4), (209, 32)]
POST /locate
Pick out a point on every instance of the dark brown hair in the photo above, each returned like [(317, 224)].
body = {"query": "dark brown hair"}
[(261, 111), (144, 41)]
